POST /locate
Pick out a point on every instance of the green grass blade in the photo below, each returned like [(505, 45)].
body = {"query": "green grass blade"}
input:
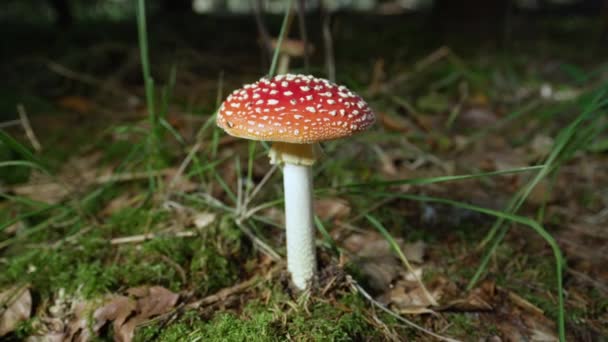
[(329, 241), (23, 151), (441, 179), (275, 56)]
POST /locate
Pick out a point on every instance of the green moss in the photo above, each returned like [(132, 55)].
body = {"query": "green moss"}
[(216, 263), (330, 322), (464, 325), (258, 322), (92, 266)]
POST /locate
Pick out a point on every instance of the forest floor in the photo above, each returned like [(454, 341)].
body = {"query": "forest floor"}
[(104, 237)]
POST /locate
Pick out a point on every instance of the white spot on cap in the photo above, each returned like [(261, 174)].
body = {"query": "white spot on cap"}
[(272, 102), (228, 112), (305, 88), (288, 93), (311, 109), (330, 101), (298, 116), (296, 132)]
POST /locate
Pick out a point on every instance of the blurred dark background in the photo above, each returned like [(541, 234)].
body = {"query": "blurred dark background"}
[(55, 48)]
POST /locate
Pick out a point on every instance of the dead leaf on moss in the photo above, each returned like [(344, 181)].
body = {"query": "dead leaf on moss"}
[(379, 263), (406, 295), (125, 313), (479, 299), (15, 307), (151, 301)]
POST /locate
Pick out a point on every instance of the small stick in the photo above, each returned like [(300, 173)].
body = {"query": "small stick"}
[(10, 123), (254, 192), (148, 236), (301, 8), (328, 42), (123, 177), (29, 132), (222, 294), (264, 247), (257, 10), (184, 165)]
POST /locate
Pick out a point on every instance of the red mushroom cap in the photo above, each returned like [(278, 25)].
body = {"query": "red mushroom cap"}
[(296, 109)]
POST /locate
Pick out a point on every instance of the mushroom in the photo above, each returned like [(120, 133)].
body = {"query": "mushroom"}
[(289, 48), (295, 112)]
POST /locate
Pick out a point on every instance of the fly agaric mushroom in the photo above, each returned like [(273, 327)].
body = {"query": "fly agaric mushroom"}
[(289, 48), (295, 112)]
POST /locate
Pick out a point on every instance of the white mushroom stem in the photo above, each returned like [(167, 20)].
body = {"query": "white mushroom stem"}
[(301, 259), (297, 160)]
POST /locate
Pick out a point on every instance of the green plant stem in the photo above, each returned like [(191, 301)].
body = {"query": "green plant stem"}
[(275, 56), (154, 137)]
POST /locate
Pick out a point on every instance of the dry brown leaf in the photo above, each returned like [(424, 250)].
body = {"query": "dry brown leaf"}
[(151, 301), (120, 202), (378, 262), (16, 306), (125, 313), (395, 123), (479, 299), (76, 103), (50, 192), (408, 295), (414, 251), (202, 220), (477, 117), (332, 208)]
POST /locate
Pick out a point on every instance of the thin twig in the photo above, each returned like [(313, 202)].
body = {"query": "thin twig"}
[(10, 123), (301, 8), (149, 236), (184, 164), (254, 192), (328, 42), (432, 58), (124, 177), (259, 21), (223, 294), (29, 132), (263, 246)]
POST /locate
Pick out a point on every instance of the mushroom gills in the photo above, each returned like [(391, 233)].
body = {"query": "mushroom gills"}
[(296, 154)]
